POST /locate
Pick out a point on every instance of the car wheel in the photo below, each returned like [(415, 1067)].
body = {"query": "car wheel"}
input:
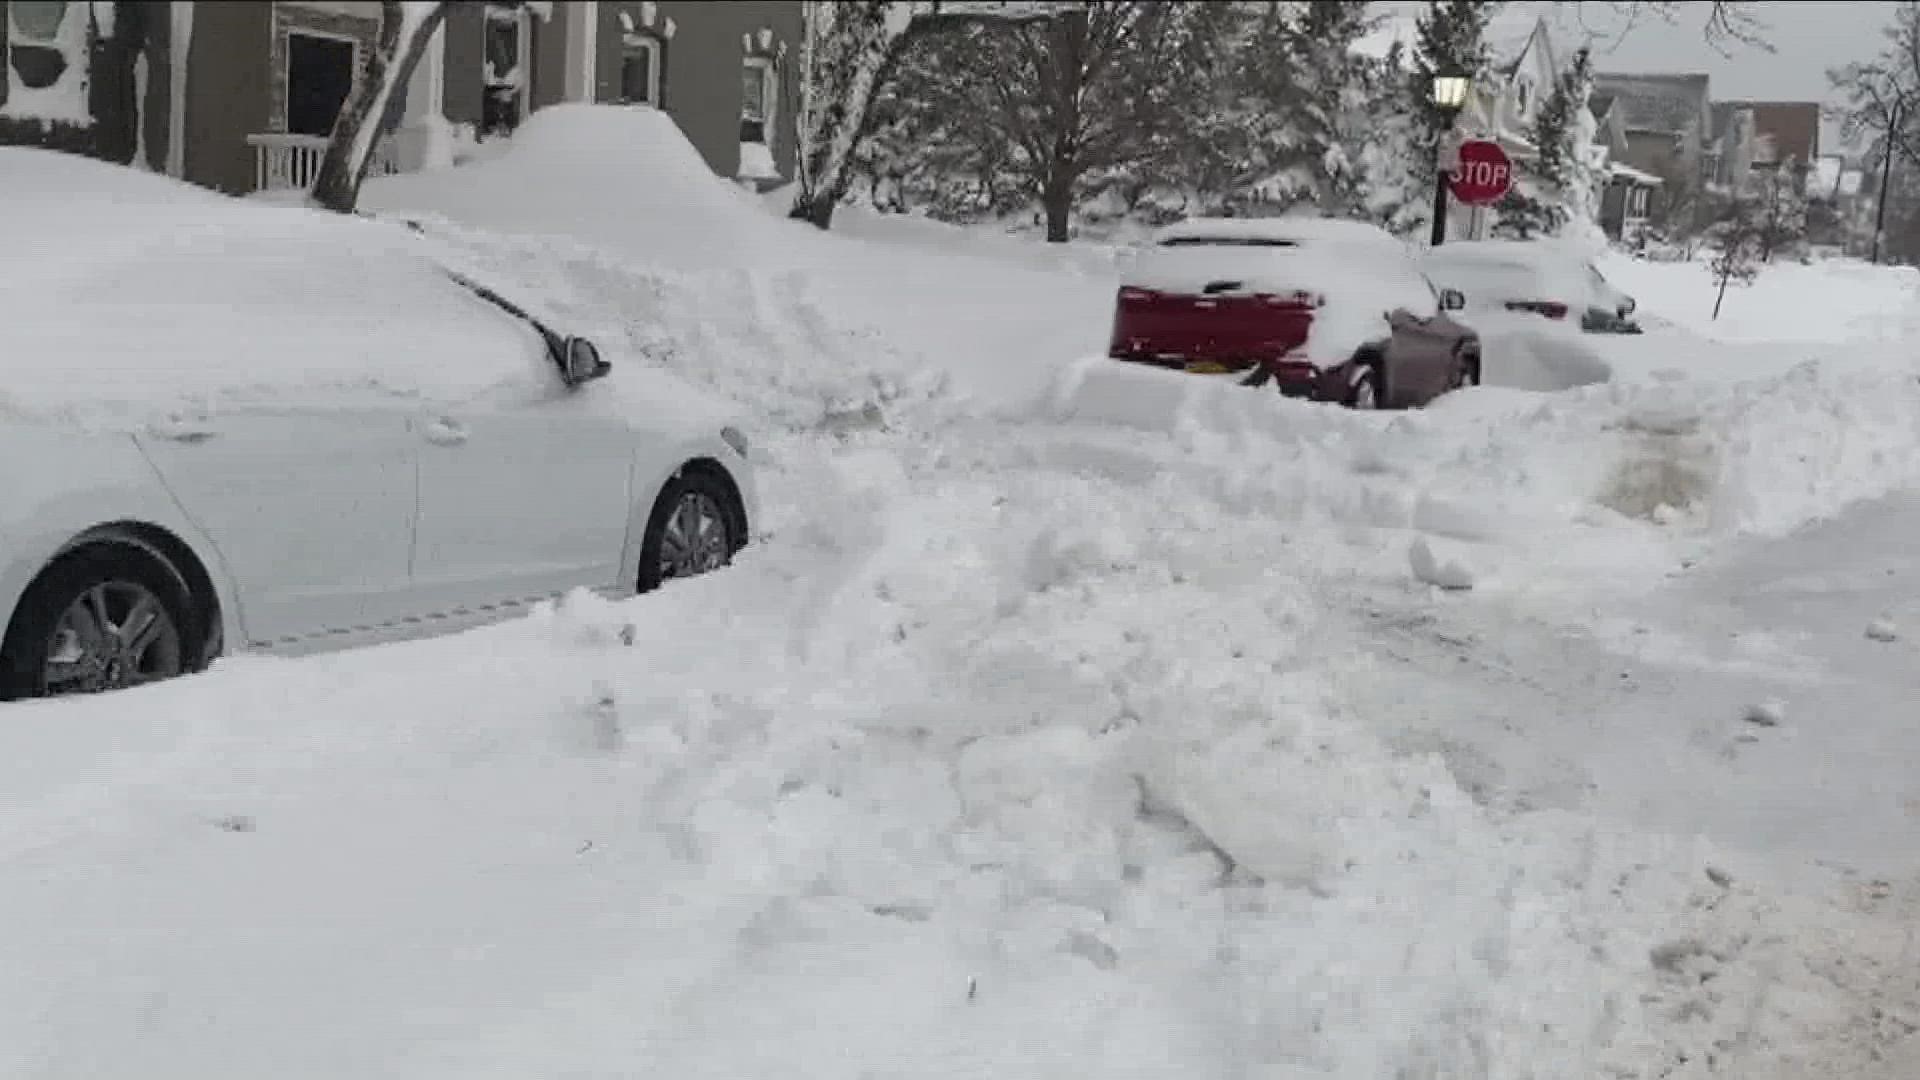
[(104, 616), (1466, 370), (695, 529), (1364, 392)]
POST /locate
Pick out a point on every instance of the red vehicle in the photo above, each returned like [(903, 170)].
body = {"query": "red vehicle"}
[(1333, 310)]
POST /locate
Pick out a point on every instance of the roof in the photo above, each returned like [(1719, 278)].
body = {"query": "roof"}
[(1627, 172), (1664, 103), (1792, 127), (1508, 35)]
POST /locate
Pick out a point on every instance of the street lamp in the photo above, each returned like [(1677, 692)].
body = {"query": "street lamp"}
[(1449, 95)]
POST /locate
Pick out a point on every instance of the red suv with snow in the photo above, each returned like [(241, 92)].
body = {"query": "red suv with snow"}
[(1329, 309)]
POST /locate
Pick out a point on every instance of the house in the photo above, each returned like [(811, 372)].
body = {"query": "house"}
[(1666, 120), (1784, 131), (1504, 105), (240, 96)]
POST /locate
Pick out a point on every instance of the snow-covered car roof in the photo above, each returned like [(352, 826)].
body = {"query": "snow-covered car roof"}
[(1551, 270), (123, 294), (1302, 230), (1528, 251)]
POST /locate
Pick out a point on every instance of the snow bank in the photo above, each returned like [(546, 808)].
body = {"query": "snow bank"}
[(623, 178), (637, 223), (1841, 301), (1613, 483)]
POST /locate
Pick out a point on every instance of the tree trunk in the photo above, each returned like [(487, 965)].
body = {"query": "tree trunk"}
[(851, 60), (404, 33), (1721, 297), (1057, 200)]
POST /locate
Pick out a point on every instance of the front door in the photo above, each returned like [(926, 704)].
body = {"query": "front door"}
[(520, 502), (311, 512), (319, 78)]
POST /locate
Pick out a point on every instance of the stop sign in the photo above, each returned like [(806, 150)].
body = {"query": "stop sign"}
[(1484, 175)]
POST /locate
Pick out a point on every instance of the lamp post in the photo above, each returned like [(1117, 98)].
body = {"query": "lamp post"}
[(1449, 95)]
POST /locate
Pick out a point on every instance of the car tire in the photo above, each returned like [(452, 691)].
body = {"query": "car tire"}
[(1466, 370), (122, 576), (1364, 391), (706, 495)]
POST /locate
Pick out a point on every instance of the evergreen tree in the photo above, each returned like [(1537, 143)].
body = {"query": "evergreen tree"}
[(1447, 36), (1304, 93)]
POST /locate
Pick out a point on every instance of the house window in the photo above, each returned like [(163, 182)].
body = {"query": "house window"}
[(33, 50), (319, 76), (503, 98), (1524, 92), (640, 56), (758, 100)]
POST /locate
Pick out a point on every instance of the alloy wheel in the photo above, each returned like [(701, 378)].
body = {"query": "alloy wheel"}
[(695, 540), (114, 635)]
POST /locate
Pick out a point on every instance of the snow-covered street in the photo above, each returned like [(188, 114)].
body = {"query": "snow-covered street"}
[(1066, 719)]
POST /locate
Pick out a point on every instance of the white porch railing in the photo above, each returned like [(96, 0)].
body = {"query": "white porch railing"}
[(291, 162)]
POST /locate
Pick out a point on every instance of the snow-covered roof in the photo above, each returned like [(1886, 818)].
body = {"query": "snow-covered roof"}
[(1627, 172)]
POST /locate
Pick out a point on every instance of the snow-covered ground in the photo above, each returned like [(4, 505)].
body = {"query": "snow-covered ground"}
[(1067, 719)]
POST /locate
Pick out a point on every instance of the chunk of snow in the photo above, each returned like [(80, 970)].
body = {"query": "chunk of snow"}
[(756, 162), (1883, 629), (1446, 573), (1768, 713)]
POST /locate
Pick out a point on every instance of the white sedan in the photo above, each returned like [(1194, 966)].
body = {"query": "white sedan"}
[(1542, 277), (227, 426)]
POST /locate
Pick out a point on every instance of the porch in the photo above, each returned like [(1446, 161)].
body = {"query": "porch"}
[(283, 162)]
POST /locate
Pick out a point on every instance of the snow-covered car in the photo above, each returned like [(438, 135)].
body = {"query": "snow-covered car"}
[(225, 425), (1541, 277), (1327, 309)]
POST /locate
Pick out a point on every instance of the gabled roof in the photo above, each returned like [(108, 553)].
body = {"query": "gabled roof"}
[(1664, 103)]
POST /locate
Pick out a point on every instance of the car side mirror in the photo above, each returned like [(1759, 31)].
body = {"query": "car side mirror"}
[(580, 362), (1626, 305), (1452, 300)]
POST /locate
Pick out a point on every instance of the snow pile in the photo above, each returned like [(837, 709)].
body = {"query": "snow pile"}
[(621, 177), (1603, 486), (630, 220)]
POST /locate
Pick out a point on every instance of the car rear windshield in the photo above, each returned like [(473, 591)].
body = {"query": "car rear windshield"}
[(1227, 241)]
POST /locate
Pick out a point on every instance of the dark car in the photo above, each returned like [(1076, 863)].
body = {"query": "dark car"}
[(1331, 310)]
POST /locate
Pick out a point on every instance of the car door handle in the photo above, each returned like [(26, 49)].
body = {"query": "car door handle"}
[(444, 432), (187, 429)]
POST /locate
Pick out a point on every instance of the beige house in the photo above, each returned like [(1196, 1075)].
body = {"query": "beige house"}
[(239, 94)]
